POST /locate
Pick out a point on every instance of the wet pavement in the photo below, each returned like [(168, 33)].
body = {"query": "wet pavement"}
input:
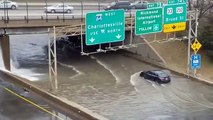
[(109, 84)]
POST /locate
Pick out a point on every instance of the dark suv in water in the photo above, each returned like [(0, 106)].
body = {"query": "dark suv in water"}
[(118, 5), (156, 75)]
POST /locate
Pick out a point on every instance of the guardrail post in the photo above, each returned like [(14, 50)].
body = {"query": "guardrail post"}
[(46, 11), (82, 11), (27, 11), (63, 12), (99, 7)]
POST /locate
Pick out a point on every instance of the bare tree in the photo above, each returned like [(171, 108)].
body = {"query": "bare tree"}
[(202, 5)]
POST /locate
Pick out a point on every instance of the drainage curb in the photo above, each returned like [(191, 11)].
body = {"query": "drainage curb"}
[(75, 110)]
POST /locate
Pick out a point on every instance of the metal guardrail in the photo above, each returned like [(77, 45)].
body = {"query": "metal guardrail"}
[(37, 10)]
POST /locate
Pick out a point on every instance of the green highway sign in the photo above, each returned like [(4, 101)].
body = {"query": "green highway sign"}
[(154, 5), (176, 1), (105, 27), (148, 21), (175, 13)]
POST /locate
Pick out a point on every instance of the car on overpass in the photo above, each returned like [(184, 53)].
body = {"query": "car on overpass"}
[(6, 4), (139, 5), (59, 8), (156, 75), (118, 5)]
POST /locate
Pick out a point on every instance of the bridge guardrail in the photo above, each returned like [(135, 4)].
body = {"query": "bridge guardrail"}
[(27, 11)]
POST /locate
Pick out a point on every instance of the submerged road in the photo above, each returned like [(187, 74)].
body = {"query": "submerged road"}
[(17, 104), (109, 83)]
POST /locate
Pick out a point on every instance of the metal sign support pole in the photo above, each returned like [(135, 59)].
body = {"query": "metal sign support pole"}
[(131, 31), (82, 47), (192, 35), (53, 62), (174, 35), (189, 45), (155, 37), (167, 36), (50, 60), (100, 47), (196, 25)]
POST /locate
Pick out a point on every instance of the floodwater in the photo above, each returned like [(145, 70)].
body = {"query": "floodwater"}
[(109, 83)]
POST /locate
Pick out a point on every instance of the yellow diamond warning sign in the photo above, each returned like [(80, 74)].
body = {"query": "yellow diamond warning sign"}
[(196, 45), (174, 27)]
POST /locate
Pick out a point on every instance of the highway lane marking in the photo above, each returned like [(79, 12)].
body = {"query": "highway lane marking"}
[(32, 103)]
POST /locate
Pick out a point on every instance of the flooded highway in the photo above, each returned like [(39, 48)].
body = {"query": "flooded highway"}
[(109, 83)]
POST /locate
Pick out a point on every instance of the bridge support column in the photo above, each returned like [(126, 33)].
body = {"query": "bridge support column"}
[(5, 48)]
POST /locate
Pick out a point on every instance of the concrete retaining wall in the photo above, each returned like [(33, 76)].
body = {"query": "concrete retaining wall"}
[(144, 51)]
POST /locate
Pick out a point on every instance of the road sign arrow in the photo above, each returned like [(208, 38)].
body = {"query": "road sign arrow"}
[(173, 26), (118, 36), (91, 39)]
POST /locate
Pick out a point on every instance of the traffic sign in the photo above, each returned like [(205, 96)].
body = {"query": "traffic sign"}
[(176, 1), (148, 21), (154, 5), (196, 61), (196, 45), (174, 27), (175, 13), (105, 27)]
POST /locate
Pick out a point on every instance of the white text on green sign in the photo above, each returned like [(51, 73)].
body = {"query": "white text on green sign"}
[(176, 1), (175, 13), (154, 5), (105, 27), (148, 21)]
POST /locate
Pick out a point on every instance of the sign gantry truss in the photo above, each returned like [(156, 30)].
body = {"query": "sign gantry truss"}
[(74, 30)]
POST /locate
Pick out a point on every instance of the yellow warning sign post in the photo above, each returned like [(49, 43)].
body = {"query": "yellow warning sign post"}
[(174, 27), (196, 46)]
